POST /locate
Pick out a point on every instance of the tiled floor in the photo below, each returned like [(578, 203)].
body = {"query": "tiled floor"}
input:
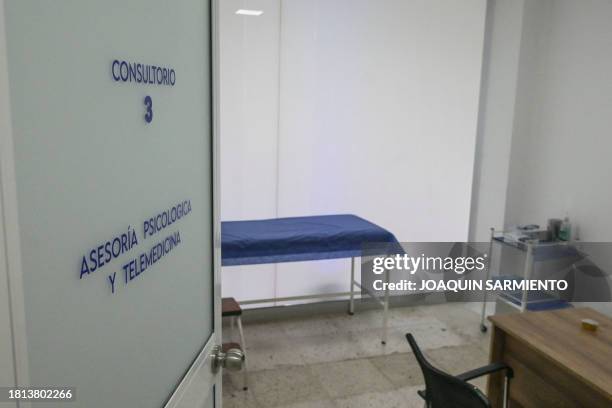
[(337, 361)]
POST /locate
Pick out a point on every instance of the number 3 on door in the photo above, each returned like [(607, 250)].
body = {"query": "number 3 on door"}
[(148, 102)]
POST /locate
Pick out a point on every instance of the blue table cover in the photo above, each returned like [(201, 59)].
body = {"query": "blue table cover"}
[(299, 239)]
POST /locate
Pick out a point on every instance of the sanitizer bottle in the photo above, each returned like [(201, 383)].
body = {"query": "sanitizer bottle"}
[(565, 232)]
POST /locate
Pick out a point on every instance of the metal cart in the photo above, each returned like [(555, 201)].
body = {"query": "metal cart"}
[(534, 251)]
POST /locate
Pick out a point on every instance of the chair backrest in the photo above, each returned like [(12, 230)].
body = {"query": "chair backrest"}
[(443, 390)]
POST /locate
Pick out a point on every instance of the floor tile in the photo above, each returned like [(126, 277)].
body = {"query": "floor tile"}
[(350, 377), (403, 398), (461, 318), (327, 348), (312, 404), (430, 334), (233, 394), (337, 360), (458, 359), (241, 399), (410, 396), (313, 326), (361, 320), (435, 334), (269, 358), (285, 386), (476, 307), (400, 369), (277, 351), (407, 316), (233, 380), (263, 331), (370, 345)]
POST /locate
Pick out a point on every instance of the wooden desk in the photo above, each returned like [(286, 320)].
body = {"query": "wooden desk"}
[(556, 363)]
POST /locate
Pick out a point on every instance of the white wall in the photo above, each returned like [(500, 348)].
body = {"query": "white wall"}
[(560, 125), (496, 118), (249, 75), (379, 106), (561, 162), (377, 116), (560, 121), (561, 159)]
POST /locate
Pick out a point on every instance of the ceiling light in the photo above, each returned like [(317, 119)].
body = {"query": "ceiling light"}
[(249, 12)]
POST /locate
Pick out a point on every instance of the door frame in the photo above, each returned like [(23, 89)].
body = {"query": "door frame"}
[(200, 373), (7, 352), (11, 269)]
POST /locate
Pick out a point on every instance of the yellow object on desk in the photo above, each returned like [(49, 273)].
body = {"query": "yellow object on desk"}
[(590, 324)]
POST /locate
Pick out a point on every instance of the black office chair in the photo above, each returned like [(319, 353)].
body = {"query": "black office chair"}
[(446, 391)]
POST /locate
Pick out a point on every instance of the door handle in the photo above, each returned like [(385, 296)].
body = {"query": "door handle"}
[(231, 359)]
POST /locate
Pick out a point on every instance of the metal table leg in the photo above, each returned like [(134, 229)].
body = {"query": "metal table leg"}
[(483, 327), (352, 296), (244, 351), (386, 310)]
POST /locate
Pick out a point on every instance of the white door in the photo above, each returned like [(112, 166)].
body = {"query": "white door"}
[(108, 200)]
